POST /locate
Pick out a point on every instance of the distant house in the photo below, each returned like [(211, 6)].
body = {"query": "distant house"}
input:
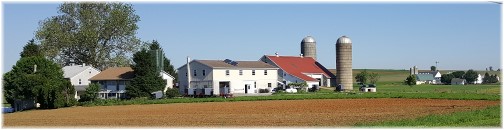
[(113, 81), (424, 79), (296, 69), (458, 81), (479, 80), (436, 75), (79, 76), (215, 77)]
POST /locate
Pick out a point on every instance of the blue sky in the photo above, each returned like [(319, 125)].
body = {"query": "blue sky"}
[(385, 35)]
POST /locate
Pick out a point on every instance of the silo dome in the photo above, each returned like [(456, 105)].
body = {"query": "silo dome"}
[(308, 39), (344, 39)]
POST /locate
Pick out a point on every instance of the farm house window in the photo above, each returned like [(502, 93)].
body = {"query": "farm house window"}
[(80, 81), (241, 72), (253, 72), (227, 72), (265, 72), (204, 73), (186, 74), (269, 85), (195, 73)]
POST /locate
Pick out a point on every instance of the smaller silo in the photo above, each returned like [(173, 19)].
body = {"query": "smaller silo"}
[(308, 47)]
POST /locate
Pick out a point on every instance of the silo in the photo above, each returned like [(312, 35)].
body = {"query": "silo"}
[(308, 47), (344, 63)]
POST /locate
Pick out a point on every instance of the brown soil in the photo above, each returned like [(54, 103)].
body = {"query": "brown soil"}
[(322, 112)]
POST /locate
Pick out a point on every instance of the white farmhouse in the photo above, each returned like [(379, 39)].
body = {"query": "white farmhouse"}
[(295, 69), (215, 77), (79, 76), (436, 75), (113, 81), (479, 80)]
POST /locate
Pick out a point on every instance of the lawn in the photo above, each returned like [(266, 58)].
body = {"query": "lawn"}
[(489, 117)]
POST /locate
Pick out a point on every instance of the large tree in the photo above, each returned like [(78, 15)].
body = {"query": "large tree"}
[(446, 78), (362, 77), (167, 66), (147, 79), (458, 74), (35, 78), (433, 68), (471, 76), (101, 34), (410, 80)]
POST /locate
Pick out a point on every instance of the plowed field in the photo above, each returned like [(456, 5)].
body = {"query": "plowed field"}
[(322, 112)]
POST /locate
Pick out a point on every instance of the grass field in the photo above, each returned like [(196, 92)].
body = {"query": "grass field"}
[(489, 117)]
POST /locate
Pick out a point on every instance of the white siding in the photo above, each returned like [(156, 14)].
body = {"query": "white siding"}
[(84, 76)]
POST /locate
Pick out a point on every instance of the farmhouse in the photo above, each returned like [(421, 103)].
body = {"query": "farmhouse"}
[(79, 76), (458, 81), (214, 77), (294, 69), (113, 81)]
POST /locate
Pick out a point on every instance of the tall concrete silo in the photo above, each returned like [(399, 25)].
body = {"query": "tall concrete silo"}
[(344, 63), (308, 47)]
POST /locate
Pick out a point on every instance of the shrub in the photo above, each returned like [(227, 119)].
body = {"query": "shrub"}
[(172, 92), (264, 90)]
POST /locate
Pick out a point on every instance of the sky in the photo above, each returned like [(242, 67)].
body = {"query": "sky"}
[(460, 36)]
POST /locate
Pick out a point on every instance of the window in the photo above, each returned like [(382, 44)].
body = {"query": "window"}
[(265, 72), (195, 73), (253, 72), (269, 85), (186, 74), (204, 73), (227, 72), (241, 72), (80, 81)]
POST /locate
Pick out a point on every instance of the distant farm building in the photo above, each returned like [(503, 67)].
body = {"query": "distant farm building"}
[(458, 81), (436, 75), (297, 69), (113, 81), (215, 77)]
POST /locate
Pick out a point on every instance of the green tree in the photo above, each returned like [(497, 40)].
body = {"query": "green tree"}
[(458, 74), (410, 80), (69, 92), (147, 79), (486, 79), (471, 76), (446, 78), (362, 77), (31, 49), (101, 34), (373, 78), (433, 68), (172, 92), (168, 67), (91, 93), (35, 78)]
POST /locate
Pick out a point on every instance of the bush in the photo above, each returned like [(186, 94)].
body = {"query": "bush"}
[(264, 90), (172, 92)]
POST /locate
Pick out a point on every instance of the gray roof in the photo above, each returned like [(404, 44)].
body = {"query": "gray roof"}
[(344, 39), (424, 77), (80, 87), (308, 39), (241, 64), (71, 71)]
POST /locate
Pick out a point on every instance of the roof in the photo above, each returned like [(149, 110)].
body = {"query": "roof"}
[(71, 71), (457, 80), (424, 77), (297, 66), (80, 87), (115, 73), (344, 39), (308, 39), (241, 64)]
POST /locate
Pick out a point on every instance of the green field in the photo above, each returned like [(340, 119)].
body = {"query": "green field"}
[(489, 117)]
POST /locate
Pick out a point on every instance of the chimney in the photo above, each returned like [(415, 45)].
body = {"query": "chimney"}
[(83, 64), (188, 72), (301, 55), (34, 68)]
